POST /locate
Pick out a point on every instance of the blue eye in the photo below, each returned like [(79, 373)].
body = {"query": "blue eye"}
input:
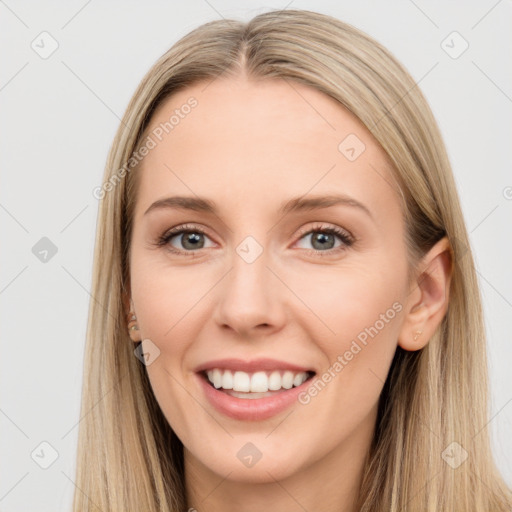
[(323, 239), (192, 238)]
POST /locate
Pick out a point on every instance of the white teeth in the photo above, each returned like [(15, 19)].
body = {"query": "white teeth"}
[(255, 383), (259, 382), (274, 381), (227, 380), (217, 378), (287, 381), (241, 381), (298, 379)]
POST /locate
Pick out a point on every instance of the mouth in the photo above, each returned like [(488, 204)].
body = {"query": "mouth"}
[(252, 391), (255, 385)]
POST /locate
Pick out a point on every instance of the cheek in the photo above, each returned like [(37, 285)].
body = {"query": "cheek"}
[(356, 324), (164, 312), (172, 306), (167, 299), (357, 316), (343, 302)]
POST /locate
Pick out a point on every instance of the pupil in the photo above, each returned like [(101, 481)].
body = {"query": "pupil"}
[(324, 240), (192, 238)]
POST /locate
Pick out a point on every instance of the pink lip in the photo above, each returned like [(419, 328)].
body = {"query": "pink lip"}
[(247, 409), (256, 409), (250, 366)]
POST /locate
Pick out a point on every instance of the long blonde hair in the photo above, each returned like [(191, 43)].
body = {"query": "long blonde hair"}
[(128, 456)]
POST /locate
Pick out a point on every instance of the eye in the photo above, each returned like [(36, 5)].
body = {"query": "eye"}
[(326, 239), (189, 238)]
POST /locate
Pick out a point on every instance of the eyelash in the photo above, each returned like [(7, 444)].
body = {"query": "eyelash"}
[(346, 238)]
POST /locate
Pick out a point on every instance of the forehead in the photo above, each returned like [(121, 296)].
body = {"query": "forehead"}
[(244, 142)]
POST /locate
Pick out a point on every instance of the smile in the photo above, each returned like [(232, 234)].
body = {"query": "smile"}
[(254, 390), (254, 385)]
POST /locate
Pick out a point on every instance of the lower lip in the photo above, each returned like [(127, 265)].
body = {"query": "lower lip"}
[(251, 409)]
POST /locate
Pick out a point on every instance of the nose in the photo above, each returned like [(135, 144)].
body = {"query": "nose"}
[(250, 298)]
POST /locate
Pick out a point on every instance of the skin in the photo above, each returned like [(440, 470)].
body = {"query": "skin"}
[(248, 146)]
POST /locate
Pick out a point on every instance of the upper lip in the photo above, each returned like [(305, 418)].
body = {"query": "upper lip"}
[(254, 365)]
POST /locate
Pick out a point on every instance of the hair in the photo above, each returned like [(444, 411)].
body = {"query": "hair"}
[(129, 458)]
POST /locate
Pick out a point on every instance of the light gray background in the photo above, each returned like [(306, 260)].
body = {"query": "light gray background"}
[(59, 116)]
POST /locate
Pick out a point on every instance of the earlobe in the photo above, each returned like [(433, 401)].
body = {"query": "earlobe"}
[(133, 327), (428, 300), (131, 318)]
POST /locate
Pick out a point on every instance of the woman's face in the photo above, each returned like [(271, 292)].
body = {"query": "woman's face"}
[(286, 261)]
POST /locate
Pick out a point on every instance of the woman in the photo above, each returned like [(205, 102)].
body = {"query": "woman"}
[(286, 314)]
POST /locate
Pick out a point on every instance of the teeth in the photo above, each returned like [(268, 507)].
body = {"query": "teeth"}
[(287, 380), (258, 382), (241, 381), (274, 381), (227, 380), (297, 380), (217, 378)]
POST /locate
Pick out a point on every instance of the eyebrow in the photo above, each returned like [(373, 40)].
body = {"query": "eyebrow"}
[(296, 204)]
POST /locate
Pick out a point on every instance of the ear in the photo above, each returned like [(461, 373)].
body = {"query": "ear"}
[(128, 313), (427, 301)]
